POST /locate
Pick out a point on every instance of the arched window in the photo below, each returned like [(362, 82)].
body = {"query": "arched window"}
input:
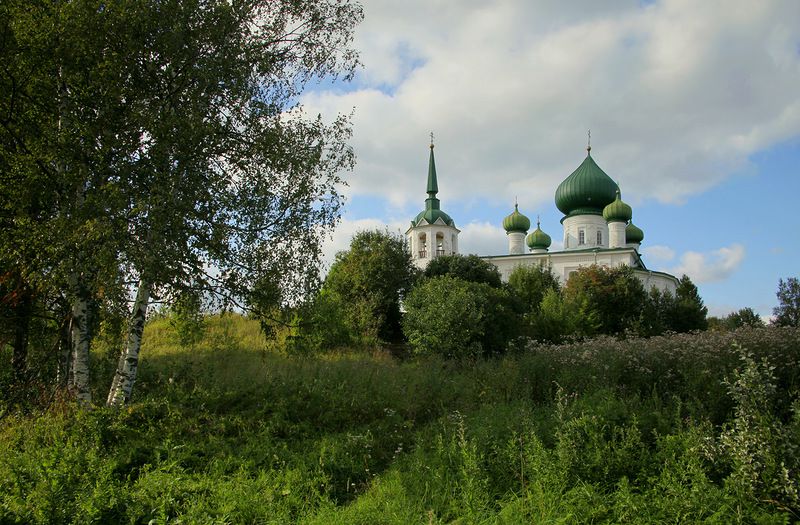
[(581, 237), (423, 252), (599, 238), (439, 244)]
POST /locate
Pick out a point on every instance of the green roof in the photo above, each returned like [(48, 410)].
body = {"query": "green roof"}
[(432, 212), (617, 211), (586, 191), (516, 222), (538, 239), (633, 234)]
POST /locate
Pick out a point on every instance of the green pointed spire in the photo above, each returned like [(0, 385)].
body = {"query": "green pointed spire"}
[(432, 211), (433, 185)]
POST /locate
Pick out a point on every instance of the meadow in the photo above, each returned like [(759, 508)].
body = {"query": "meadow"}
[(690, 428)]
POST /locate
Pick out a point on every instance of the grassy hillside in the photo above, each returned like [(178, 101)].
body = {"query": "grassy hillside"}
[(689, 428)]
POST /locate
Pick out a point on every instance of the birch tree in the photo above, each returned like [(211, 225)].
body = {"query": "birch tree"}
[(163, 147), (250, 182)]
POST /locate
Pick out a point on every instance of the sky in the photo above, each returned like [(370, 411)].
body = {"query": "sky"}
[(694, 109)]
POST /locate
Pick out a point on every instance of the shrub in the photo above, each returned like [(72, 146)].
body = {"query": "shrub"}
[(609, 299), (465, 267), (530, 283), (457, 319)]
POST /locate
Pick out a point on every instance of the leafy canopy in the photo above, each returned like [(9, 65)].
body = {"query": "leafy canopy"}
[(369, 280), (787, 313)]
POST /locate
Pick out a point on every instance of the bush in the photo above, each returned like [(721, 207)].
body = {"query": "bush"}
[(530, 283), (609, 300), (457, 319), (465, 267)]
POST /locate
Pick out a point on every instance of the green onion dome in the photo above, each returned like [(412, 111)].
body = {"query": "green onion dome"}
[(617, 211), (633, 235), (516, 222), (431, 215), (586, 191), (538, 239)]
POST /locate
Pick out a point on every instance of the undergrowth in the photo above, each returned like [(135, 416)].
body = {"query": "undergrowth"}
[(679, 429)]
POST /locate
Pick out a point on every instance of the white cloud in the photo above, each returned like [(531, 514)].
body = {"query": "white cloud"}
[(658, 253), (482, 238), (678, 94), (712, 266)]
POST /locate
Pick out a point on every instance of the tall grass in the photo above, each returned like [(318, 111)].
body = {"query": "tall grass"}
[(226, 431)]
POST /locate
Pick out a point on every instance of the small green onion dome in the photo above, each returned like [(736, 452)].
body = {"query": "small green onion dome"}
[(538, 239), (633, 234), (586, 191), (617, 211), (516, 222)]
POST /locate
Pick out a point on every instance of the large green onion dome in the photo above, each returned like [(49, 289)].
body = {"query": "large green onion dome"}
[(587, 191), (432, 213), (538, 239), (633, 234), (516, 222), (617, 211)]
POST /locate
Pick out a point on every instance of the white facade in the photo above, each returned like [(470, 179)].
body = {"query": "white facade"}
[(616, 234), (516, 243), (428, 241), (563, 263), (585, 231)]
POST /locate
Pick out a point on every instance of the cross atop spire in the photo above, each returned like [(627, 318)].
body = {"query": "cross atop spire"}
[(589, 143), (431, 139)]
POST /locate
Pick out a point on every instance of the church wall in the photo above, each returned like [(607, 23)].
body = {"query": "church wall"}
[(590, 224), (564, 263)]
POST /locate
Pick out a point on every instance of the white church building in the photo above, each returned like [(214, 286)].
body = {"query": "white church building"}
[(597, 229)]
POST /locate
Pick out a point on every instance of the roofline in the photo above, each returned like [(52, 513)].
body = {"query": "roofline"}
[(654, 272), (569, 252)]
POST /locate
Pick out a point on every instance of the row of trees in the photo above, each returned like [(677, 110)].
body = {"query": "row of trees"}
[(460, 307), (153, 150)]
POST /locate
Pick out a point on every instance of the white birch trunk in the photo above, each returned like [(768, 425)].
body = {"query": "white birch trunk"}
[(125, 376), (80, 351)]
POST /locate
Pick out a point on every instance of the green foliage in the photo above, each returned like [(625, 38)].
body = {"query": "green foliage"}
[(187, 319), (609, 299), (151, 142), (656, 313), (738, 319), (689, 312), (555, 319), (367, 282), (453, 318), (685, 428), (760, 449), (465, 267), (787, 313), (530, 283)]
